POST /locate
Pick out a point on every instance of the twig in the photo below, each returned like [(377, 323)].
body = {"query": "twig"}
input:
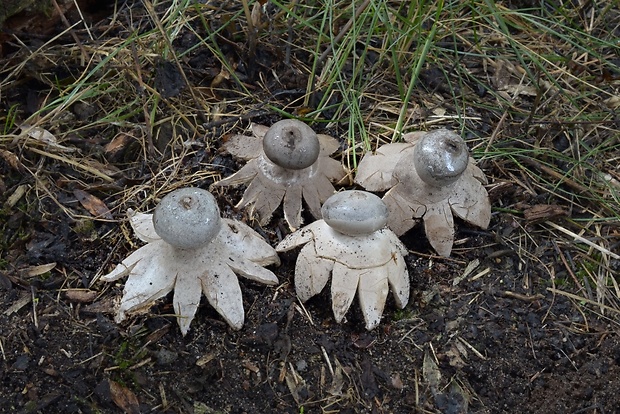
[(562, 178), (77, 7), (520, 296), (233, 119), (151, 10), (252, 38), (566, 265), (35, 318), (248, 16), (329, 364), (291, 34), (582, 299), (147, 116)]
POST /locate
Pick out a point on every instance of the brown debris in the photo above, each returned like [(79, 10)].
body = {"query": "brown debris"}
[(93, 204)]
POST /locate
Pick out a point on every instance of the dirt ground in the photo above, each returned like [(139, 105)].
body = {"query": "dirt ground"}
[(483, 346), (495, 339)]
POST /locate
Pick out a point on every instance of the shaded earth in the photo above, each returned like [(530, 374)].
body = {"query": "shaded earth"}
[(487, 345), (493, 340)]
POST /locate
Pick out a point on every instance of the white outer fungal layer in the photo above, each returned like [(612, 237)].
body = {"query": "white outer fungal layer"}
[(433, 195), (158, 268), (187, 218), (370, 264), (355, 212), (291, 144), (269, 185)]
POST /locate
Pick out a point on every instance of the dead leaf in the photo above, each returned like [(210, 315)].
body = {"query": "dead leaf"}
[(115, 148), (124, 398), (219, 78), (458, 399), (12, 160), (40, 134), (514, 90), (296, 385), (303, 111), (80, 295), (94, 205), (107, 169), (256, 15), (102, 306), (431, 373), (455, 356), (613, 102), (17, 305), (501, 77), (439, 111), (337, 380), (39, 270), (397, 383), (44, 136)]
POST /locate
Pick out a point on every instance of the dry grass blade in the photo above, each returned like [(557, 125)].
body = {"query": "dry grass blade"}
[(581, 239)]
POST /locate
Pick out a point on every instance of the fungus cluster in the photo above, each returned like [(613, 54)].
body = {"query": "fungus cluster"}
[(192, 250), (287, 162)]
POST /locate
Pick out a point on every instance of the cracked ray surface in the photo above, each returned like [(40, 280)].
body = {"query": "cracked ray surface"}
[(412, 196), (269, 185)]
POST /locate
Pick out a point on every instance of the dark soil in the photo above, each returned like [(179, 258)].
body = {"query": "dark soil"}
[(469, 348), (492, 342)]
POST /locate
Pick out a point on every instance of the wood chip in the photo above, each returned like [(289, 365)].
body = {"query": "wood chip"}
[(17, 195), (20, 303), (80, 295), (12, 160), (124, 398), (544, 211)]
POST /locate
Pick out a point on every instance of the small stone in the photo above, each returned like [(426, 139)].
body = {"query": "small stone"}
[(166, 357), (21, 363), (301, 365)]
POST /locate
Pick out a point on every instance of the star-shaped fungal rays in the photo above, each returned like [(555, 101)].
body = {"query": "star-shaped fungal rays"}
[(429, 177), (210, 266), (287, 162), (352, 246)]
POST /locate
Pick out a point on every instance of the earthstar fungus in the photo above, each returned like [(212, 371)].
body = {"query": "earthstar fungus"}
[(192, 250), (352, 245), (430, 177), (287, 162)]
